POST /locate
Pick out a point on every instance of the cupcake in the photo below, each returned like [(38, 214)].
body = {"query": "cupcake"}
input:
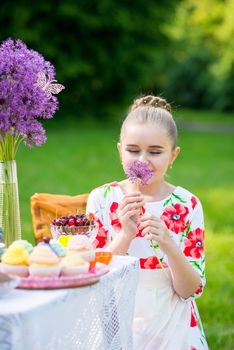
[(22, 242), (73, 264), (15, 261), (43, 261), (83, 246), (57, 248)]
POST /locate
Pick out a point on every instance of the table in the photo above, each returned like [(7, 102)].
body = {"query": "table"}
[(96, 317)]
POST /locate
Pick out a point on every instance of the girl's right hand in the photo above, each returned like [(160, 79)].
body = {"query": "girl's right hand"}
[(128, 211)]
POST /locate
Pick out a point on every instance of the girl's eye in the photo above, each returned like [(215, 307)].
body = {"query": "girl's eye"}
[(132, 151), (155, 152)]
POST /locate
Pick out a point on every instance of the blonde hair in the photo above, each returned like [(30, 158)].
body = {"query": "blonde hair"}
[(152, 109)]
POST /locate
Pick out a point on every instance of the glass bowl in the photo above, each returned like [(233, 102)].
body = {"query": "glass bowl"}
[(89, 231)]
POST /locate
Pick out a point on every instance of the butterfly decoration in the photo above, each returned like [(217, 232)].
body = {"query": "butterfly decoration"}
[(49, 86)]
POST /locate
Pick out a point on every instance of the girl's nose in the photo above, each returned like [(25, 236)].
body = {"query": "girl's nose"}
[(143, 157)]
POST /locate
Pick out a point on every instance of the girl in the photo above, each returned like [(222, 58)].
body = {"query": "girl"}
[(162, 225)]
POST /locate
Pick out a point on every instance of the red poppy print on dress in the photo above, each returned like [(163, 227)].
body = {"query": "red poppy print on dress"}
[(114, 217), (193, 321), (101, 238), (142, 212), (199, 290), (175, 217), (193, 245), (194, 201), (159, 266), (151, 263), (112, 184)]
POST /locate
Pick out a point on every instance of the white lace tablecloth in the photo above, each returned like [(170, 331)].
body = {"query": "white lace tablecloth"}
[(97, 317)]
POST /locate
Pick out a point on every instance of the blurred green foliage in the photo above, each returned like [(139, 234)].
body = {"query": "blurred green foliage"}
[(104, 51), (108, 52), (201, 73)]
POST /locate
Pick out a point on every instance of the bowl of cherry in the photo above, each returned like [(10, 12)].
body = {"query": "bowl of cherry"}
[(78, 224)]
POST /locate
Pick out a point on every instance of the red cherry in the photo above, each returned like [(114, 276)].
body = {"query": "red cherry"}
[(78, 222), (71, 222)]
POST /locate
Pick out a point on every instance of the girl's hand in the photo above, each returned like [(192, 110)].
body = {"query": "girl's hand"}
[(156, 230), (128, 211)]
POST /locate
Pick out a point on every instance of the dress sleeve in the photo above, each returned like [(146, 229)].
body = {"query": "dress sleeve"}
[(193, 245), (95, 207)]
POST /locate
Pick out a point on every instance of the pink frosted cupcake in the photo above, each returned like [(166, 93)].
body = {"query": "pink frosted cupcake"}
[(43, 262), (15, 261), (73, 264), (82, 245)]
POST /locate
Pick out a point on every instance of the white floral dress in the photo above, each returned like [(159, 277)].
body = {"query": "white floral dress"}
[(183, 216)]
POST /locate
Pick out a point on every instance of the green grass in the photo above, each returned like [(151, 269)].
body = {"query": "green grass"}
[(203, 116), (80, 156), (216, 304)]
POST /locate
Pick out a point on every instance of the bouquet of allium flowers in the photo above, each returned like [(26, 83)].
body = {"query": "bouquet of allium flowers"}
[(26, 87)]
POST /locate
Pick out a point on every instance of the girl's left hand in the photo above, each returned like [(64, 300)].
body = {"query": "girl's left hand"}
[(155, 229)]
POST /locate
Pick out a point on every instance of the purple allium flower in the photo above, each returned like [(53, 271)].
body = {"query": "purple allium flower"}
[(22, 99), (139, 170)]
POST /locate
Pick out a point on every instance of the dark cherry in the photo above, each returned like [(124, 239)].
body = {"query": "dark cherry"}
[(74, 220), (46, 239)]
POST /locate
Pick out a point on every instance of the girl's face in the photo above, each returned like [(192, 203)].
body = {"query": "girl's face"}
[(149, 142)]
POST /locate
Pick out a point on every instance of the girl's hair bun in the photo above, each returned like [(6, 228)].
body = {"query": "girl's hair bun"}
[(151, 101)]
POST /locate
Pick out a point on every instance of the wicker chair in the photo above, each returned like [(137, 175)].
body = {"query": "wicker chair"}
[(45, 207)]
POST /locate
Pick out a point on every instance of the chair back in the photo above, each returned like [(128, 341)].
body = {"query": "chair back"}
[(45, 207)]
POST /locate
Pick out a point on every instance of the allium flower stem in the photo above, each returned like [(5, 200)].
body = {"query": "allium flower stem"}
[(156, 254), (137, 182), (9, 145), (9, 202)]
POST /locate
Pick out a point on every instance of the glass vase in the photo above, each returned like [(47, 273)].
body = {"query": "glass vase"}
[(9, 202)]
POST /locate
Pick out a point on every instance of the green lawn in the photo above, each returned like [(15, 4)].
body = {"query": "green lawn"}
[(203, 116), (80, 156)]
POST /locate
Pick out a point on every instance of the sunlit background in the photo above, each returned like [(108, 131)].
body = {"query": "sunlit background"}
[(106, 53)]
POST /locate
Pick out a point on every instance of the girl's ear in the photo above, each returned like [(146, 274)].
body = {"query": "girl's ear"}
[(120, 151), (175, 153)]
